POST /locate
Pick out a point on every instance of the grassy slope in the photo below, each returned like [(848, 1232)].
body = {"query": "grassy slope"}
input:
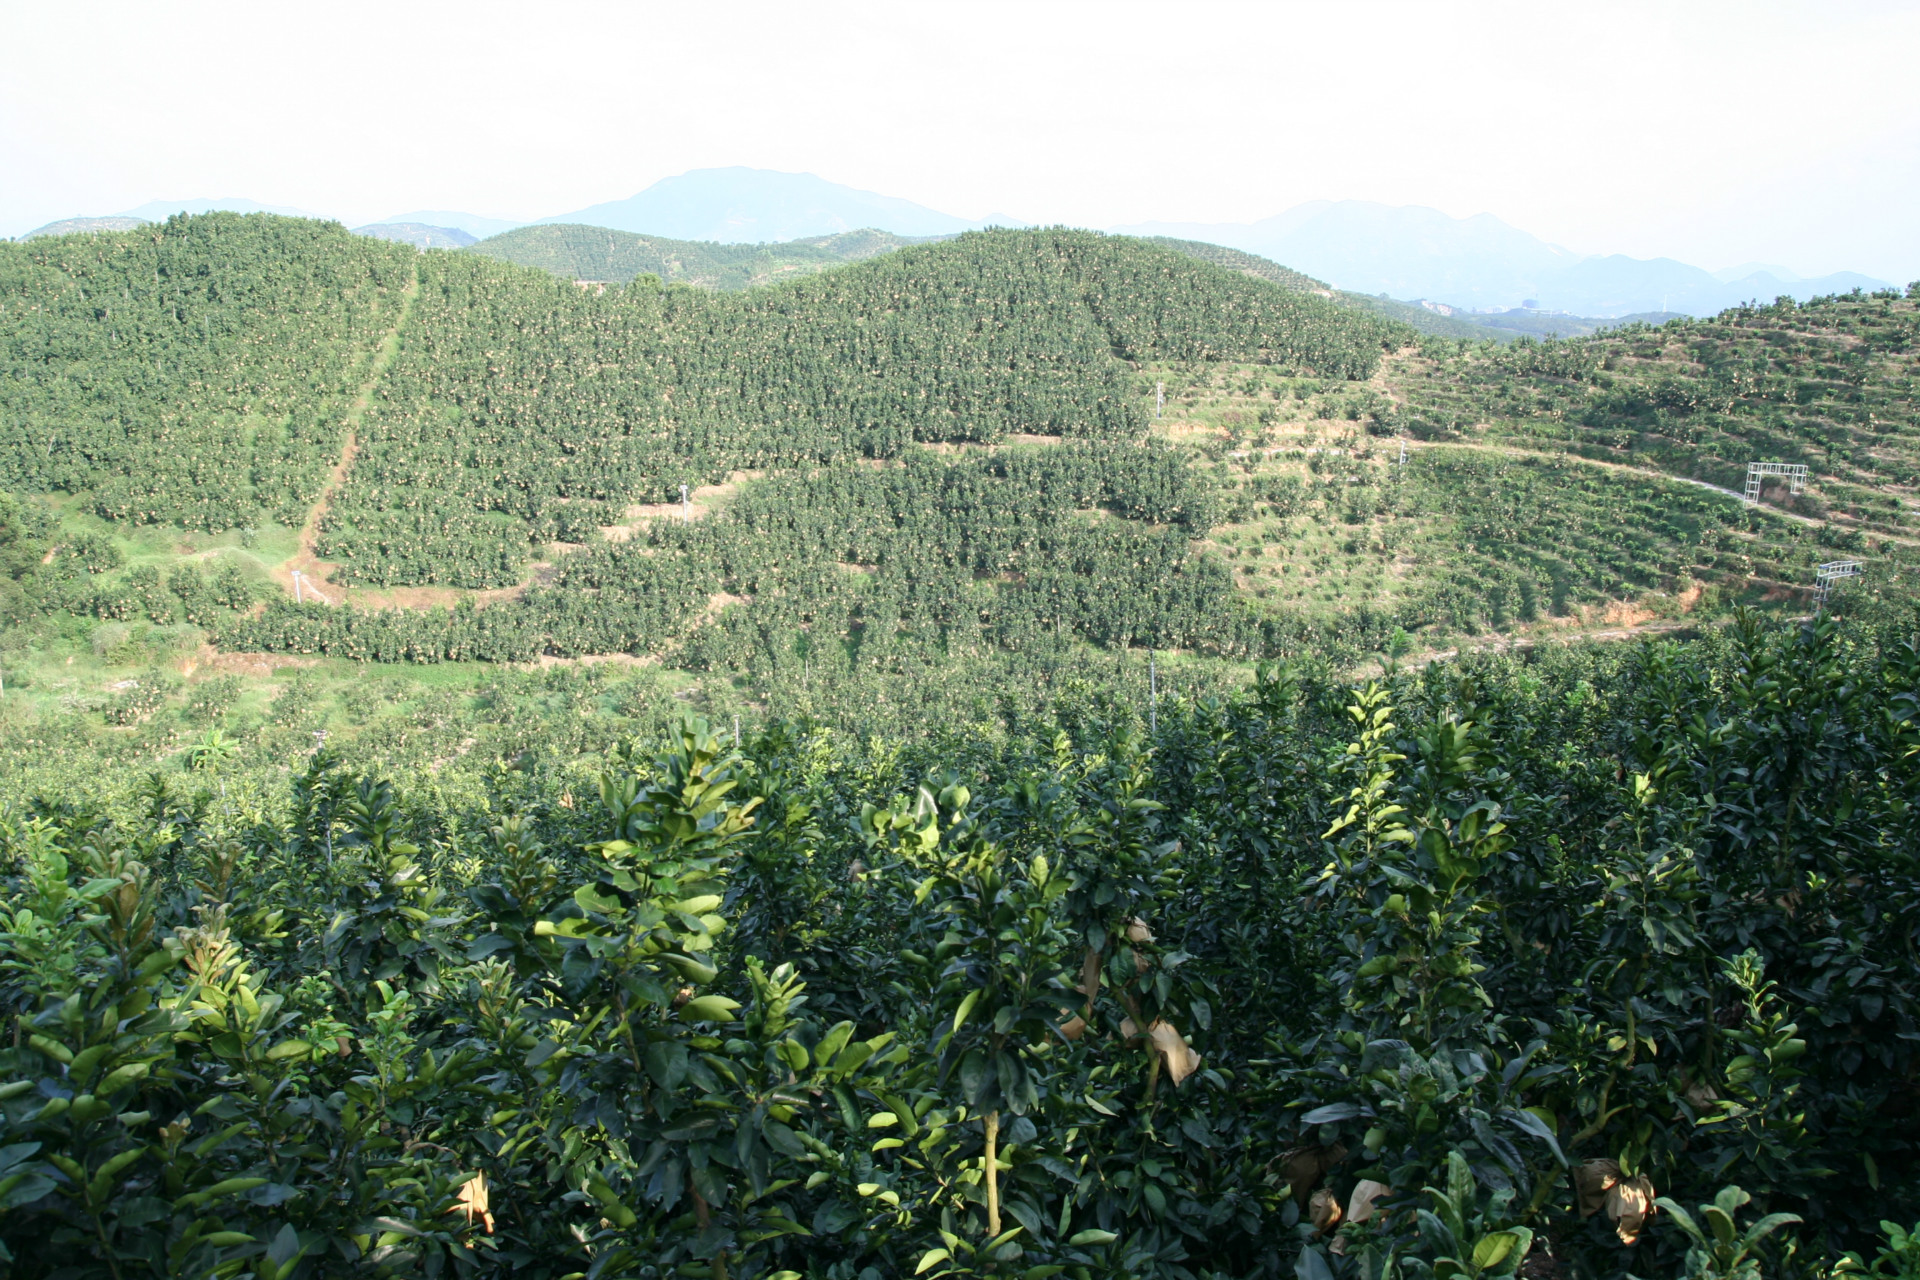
[(615, 257)]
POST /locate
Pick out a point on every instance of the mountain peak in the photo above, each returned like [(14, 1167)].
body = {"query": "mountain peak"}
[(741, 205)]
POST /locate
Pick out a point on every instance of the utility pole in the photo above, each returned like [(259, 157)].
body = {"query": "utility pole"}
[(736, 733), (1159, 398), (686, 507), (1403, 451), (296, 586)]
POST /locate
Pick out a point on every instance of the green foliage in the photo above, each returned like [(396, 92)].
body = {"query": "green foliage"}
[(1720, 1249), (478, 449), (601, 255), (499, 431), (965, 954), (1827, 383), (21, 553), (983, 550), (1898, 1259), (1490, 953), (195, 372)]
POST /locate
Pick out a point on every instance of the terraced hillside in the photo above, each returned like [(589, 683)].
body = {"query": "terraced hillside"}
[(1336, 528), (1831, 384)]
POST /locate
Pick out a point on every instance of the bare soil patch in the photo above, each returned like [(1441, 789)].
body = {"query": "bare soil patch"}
[(244, 663), (717, 604), (546, 660), (309, 565), (700, 503)]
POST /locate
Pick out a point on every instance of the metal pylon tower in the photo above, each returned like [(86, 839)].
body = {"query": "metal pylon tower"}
[(1824, 576), (1159, 398), (1758, 471)]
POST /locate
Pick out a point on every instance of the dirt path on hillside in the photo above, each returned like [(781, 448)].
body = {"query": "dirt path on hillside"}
[(1394, 366), (1811, 522), (1517, 643), (700, 502), (316, 574)]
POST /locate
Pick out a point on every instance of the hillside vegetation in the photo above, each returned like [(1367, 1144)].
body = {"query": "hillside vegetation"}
[(197, 373), (484, 429), (805, 875), (1831, 384), (1467, 326), (1470, 963), (82, 226), (420, 235), (616, 257), (603, 256), (504, 453)]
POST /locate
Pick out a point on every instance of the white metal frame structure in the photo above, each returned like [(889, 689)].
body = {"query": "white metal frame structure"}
[(300, 580), (1824, 576), (1758, 471)]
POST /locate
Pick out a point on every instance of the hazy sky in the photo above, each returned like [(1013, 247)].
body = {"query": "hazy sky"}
[(1713, 133)]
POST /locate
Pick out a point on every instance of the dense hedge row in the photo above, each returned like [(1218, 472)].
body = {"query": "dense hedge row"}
[(1495, 969)]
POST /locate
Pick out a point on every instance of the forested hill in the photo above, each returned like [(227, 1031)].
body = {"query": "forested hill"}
[(467, 417), (1251, 264), (616, 257), (198, 372), (1407, 313), (949, 446), (479, 450)]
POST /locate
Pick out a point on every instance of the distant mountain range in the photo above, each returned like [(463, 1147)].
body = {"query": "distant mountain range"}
[(1481, 263), (470, 223), (1404, 252), (420, 234)]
